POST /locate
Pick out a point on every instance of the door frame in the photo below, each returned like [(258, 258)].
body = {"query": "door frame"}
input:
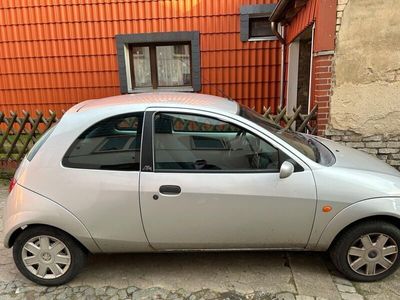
[(293, 71)]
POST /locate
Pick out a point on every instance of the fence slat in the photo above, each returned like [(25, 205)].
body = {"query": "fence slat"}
[(33, 130), (18, 134), (9, 128)]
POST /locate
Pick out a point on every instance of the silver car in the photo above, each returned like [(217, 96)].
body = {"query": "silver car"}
[(176, 172)]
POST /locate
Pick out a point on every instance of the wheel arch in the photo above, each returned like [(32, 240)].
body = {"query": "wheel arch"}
[(377, 218), (19, 230), (18, 214), (382, 209)]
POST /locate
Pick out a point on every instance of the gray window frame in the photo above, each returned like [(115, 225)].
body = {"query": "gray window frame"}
[(124, 40), (254, 11)]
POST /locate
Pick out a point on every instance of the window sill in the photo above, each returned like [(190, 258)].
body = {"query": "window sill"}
[(162, 89), (260, 39)]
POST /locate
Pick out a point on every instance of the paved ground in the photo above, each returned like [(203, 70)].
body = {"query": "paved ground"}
[(245, 275)]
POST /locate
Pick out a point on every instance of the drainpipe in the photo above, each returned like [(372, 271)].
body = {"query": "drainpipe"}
[(274, 27)]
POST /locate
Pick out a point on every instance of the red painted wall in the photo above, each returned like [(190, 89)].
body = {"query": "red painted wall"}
[(323, 14), (56, 53)]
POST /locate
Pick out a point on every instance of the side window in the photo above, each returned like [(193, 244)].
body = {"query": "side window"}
[(192, 142), (111, 144)]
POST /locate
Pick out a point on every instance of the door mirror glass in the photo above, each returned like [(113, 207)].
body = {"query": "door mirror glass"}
[(287, 168)]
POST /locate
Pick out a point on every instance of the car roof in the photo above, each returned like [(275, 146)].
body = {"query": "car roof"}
[(143, 101)]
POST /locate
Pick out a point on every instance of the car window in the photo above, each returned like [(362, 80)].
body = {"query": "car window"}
[(111, 144), (311, 148), (198, 143)]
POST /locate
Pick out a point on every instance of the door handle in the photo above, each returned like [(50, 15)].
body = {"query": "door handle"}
[(170, 189)]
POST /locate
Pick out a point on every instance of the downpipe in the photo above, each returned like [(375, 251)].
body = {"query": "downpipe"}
[(274, 27)]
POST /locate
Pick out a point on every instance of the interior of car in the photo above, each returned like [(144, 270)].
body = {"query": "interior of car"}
[(201, 146)]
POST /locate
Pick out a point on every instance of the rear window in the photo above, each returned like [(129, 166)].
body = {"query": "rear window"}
[(39, 144)]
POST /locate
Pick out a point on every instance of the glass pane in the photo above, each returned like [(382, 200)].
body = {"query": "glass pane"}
[(112, 144), (208, 147), (294, 139), (141, 66), (260, 27), (173, 65)]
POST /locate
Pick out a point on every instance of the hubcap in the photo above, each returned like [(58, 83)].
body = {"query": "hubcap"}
[(46, 257), (372, 254)]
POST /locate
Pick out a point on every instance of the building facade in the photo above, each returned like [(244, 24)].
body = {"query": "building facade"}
[(55, 54)]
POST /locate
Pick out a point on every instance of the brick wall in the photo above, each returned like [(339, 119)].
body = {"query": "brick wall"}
[(386, 148), (322, 80), (339, 13)]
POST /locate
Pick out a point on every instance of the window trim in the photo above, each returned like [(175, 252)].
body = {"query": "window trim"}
[(124, 66), (254, 11), (150, 130)]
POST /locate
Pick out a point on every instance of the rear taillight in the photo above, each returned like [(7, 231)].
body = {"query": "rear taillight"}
[(13, 182)]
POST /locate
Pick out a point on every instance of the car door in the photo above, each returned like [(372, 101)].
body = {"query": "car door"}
[(212, 183)]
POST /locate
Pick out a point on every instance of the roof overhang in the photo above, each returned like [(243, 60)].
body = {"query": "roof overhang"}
[(286, 10)]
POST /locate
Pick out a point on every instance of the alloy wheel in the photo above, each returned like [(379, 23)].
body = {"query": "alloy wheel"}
[(46, 257), (372, 254)]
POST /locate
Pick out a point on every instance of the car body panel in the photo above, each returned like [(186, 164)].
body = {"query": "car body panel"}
[(340, 187), (386, 206), (350, 158), (142, 101), (243, 210), (97, 198), (107, 203), (25, 207)]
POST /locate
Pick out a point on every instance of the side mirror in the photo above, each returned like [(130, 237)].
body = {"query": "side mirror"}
[(287, 168)]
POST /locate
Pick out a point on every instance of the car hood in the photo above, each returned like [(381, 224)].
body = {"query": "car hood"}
[(347, 157)]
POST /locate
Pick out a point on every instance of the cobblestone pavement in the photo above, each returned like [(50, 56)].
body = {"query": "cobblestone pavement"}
[(229, 275)]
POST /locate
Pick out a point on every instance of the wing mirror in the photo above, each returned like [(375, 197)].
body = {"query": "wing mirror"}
[(287, 168)]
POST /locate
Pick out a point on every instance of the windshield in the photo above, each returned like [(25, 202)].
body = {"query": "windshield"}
[(308, 147)]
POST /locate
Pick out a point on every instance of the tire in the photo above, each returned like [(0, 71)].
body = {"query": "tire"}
[(61, 263), (357, 253)]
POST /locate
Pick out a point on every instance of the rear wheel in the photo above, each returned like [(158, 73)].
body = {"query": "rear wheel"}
[(367, 251), (48, 256)]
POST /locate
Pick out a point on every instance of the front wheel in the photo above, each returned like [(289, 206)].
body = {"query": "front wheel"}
[(48, 256), (367, 251)]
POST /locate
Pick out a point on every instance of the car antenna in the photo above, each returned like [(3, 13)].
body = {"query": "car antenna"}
[(219, 90)]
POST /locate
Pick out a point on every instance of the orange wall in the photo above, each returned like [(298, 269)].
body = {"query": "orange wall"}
[(55, 53), (323, 13), (304, 18)]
